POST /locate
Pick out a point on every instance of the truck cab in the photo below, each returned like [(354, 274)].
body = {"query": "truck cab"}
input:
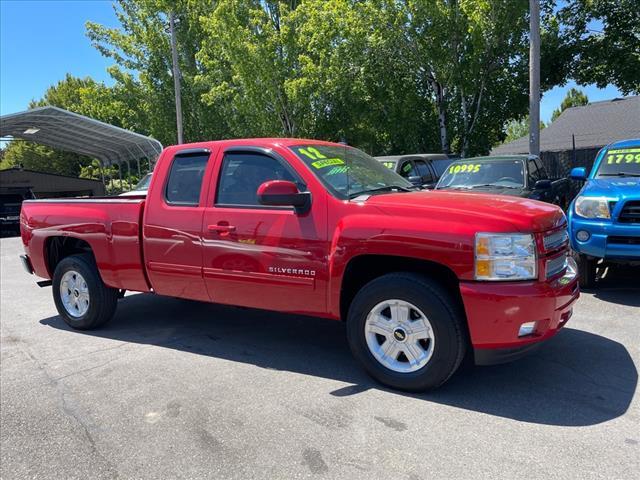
[(604, 218), (421, 169), (515, 175)]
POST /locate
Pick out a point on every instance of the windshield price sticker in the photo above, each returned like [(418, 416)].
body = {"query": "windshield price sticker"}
[(389, 165), (465, 167), (328, 162), (623, 155)]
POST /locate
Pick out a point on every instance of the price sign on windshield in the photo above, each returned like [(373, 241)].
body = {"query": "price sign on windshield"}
[(623, 155), (465, 167)]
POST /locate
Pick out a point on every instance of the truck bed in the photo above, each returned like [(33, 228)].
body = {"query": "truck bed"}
[(110, 225)]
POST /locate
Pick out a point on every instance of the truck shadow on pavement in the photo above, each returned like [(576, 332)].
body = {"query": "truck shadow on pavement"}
[(620, 284), (577, 379)]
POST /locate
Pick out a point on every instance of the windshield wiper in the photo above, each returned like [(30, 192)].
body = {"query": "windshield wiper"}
[(386, 188), (620, 174), (492, 185)]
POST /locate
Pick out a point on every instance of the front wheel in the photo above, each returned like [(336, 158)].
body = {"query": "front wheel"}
[(82, 299), (406, 331)]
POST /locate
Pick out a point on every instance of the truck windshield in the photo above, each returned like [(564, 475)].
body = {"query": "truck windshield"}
[(620, 162), (348, 172), (474, 173)]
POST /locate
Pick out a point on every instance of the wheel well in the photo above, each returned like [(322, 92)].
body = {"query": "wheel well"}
[(364, 268), (57, 248)]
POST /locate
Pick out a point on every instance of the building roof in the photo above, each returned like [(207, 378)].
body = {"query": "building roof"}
[(594, 126), (64, 130)]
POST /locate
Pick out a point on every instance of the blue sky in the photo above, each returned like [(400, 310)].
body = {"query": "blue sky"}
[(40, 41)]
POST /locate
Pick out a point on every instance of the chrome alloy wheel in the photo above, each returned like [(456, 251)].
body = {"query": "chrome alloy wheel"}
[(74, 293), (399, 336)]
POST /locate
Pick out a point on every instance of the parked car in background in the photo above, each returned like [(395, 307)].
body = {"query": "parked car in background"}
[(604, 219), (517, 175), (421, 169), (11, 199), (141, 187)]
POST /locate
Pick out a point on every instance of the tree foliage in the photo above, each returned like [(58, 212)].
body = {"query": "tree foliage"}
[(604, 38), (516, 129), (388, 76), (573, 98)]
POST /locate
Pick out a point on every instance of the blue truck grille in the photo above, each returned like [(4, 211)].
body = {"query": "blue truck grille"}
[(623, 240), (630, 212)]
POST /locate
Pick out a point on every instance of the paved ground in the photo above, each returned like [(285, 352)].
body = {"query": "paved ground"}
[(175, 389)]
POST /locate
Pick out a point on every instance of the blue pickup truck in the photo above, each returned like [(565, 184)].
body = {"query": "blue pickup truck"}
[(604, 219)]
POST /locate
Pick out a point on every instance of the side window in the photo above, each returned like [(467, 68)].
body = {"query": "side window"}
[(185, 179), (534, 174), (408, 170), (243, 173), (423, 171)]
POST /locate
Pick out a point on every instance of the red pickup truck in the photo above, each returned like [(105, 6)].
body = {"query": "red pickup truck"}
[(421, 277)]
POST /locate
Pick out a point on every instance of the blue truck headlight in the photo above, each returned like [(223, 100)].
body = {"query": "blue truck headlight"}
[(592, 207)]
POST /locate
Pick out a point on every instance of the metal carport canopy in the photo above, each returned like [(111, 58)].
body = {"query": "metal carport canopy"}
[(64, 130)]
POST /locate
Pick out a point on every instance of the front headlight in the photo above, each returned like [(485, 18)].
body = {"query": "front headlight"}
[(505, 256), (592, 207)]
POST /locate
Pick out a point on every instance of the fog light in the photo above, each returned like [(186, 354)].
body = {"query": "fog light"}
[(583, 235), (526, 329)]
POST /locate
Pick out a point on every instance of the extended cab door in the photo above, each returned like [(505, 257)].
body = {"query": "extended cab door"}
[(263, 256), (173, 224)]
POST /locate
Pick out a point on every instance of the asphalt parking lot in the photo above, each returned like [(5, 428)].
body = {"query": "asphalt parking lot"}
[(176, 389)]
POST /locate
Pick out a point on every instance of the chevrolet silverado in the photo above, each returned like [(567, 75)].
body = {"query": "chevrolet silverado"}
[(420, 277)]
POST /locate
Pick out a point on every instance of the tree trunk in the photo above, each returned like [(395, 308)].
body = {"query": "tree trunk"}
[(442, 116)]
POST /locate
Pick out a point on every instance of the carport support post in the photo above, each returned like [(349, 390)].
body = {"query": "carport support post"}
[(534, 77), (120, 175), (139, 174)]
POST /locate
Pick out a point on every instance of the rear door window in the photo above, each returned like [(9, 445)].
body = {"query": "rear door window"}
[(185, 179)]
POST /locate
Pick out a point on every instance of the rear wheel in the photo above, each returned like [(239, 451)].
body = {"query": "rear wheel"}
[(406, 331), (82, 299), (587, 271)]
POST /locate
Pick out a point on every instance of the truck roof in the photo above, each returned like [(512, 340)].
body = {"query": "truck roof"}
[(258, 142), (632, 142)]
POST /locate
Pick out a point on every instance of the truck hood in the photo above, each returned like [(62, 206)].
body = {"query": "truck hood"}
[(512, 192), (492, 212), (615, 187)]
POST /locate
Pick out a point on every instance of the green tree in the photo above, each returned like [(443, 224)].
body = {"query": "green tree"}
[(573, 98), (515, 129), (604, 38), (471, 56), (141, 49)]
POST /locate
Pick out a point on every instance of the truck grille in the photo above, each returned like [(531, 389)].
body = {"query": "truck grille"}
[(556, 265), (555, 240), (630, 212), (624, 240)]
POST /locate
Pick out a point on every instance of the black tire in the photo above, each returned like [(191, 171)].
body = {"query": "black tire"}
[(103, 300), (587, 271), (444, 314)]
